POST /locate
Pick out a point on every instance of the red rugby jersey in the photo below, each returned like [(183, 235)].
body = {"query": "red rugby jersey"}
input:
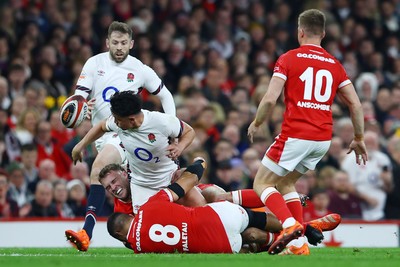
[(164, 227), (312, 78)]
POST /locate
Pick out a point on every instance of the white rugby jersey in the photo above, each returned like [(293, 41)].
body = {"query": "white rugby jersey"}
[(103, 77), (146, 147)]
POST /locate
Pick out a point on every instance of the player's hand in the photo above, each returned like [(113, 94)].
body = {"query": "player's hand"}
[(174, 151), (360, 150), (91, 103), (252, 130), (76, 154)]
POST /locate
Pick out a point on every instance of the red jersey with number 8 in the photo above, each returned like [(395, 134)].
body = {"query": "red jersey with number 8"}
[(164, 227), (312, 78)]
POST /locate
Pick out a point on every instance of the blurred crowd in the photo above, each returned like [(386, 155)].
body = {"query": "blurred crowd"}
[(216, 57)]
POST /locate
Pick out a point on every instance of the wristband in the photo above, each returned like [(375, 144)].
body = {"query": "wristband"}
[(177, 189), (358, 137)]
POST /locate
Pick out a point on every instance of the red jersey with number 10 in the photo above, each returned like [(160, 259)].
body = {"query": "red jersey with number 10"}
[(312, 78), (164, 227)]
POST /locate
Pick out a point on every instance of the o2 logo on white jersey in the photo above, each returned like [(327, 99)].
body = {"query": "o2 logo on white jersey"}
[(168, 234), (107, 95), (145, 155)]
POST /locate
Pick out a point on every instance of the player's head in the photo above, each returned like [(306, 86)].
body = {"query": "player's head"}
[(118, 225), (115, 180), (311, 24), (125, 106), (119, 41)]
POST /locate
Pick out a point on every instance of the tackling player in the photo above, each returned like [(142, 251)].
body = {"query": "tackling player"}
[(311, 78), (115, 180), (102, 76), (162, 226)]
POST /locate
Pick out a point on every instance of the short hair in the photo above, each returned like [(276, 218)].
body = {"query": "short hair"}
[(125, 103), (312, 21), (28, 147), (117, 26), (116, 222), (109, 168)]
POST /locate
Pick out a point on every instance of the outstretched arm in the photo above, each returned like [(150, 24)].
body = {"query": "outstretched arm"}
[(95, 133)]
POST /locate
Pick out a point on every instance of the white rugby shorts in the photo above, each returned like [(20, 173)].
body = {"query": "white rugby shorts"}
[(111, 138), (234, 219), (288, 154)]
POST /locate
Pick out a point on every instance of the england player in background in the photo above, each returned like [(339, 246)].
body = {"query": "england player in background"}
[(101, 77)]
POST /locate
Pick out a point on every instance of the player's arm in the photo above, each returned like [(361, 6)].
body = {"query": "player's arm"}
[(185, 138), (95, 133), (350, 98), (85, 81), (84, 84), (267, 104), (189, 178), (167, 101), (156, 87)]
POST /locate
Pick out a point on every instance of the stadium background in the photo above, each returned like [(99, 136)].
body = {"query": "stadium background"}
[(216, 58)]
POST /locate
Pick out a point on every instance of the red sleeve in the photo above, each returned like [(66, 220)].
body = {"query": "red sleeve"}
[(123, 207), (281, 65), (163, 195)]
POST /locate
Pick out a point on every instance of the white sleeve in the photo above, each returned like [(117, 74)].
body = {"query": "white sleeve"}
[(173, 127), (155, 86), (167, 101), (85, 81), (110, 124)]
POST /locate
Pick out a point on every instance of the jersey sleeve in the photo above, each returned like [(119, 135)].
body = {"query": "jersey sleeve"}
[(344, 79), (163, 195), (281, 67), (110, 125), (84, 84), (151, 81), (172, 126), (123, 207)]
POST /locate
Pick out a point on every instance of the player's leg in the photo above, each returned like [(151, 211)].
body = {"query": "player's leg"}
[(316, 150), (247, 198), (108, 154), (288, 191), (213, 193), (264, 185)]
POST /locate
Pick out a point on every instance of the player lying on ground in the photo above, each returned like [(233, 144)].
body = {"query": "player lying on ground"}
[(162, 226), (115, 180)]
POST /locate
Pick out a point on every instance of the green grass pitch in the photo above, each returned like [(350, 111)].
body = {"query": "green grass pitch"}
[(115, 257)]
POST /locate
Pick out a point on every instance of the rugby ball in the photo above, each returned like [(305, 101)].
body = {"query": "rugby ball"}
[(73, 111)]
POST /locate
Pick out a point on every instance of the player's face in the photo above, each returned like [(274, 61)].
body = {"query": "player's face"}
[(119, 45), (117, 183)]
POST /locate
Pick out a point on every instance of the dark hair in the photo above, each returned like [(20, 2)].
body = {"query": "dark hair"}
[(115, 223), (125, 103), (108, 168), (117, 26), (312, 21), (28, 147)]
